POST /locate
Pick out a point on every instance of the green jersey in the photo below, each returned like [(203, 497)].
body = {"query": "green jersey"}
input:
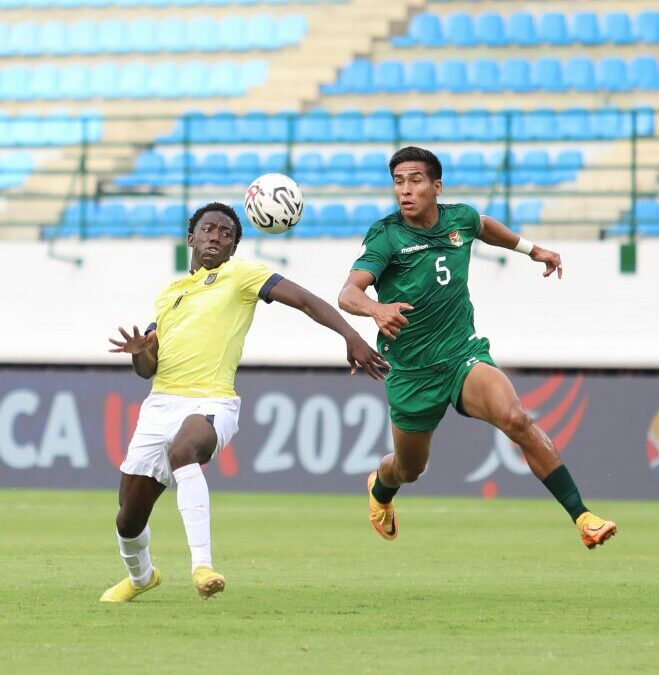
[(428, 269)]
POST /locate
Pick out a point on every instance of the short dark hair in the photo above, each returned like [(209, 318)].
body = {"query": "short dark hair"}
[(222, 208), (413, 154)]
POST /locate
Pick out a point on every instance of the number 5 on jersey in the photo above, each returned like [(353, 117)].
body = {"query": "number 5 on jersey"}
[(443, 272)]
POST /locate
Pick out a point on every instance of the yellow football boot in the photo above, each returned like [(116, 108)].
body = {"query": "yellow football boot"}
[(383, 516), (207, 581), (124, 591), (594, 530)]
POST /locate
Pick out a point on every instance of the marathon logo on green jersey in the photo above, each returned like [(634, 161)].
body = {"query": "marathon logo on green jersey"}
[(414, 249)]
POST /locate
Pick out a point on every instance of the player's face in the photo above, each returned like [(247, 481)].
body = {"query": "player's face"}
[(415, 192), (212, 240)]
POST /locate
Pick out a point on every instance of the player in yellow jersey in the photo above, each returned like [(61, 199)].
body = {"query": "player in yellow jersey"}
[(192, 352)]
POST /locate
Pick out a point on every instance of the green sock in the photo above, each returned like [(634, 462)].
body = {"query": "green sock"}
[(559, 482), (381, 492)]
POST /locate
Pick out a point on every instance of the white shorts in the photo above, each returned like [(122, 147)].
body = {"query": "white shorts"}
[(161, 417)]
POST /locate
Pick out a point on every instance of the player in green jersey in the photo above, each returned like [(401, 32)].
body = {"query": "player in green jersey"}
[(418, 260)]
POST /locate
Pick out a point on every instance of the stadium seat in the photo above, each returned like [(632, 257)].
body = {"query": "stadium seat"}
[(341, 170), (215, 169), (163, 81), (132, 82), (24, 39), (612, 75), (566, 165), (83, 37), (308, 169), (171, 35), (574, 124), (380, 125), (245, 168), (312, 126), (389, 76), (75, 82), (552, 29), (149, 170), (425, 29), (291, 29), (617, 29), (413, 126), (422, 76), (535, 167), (546, 74), (221, 127), (516, 75), (485, 75), (113, 37), (141, 35), (46, 82), (261, 33), (347, 126), (475, 125), (520, 30), (641, 118), (646, 27), (643, 73), (539, 125), (489, 30), (579, 74), (279, 127), (332, 219), (527, 213), (251, 127), (53, 39), (362, 217), (585, 28), (453, 76), (373, 170), (605, 123), (443, 125), (460, 30), (276, 162)]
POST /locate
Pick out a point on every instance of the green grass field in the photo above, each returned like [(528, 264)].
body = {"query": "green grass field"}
[(470, 586)]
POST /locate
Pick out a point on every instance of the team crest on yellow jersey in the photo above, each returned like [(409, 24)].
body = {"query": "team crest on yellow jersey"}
[(210, 279), (455, 238)]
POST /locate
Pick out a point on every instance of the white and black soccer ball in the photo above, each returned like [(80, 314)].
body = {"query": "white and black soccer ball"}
[(273, 203)]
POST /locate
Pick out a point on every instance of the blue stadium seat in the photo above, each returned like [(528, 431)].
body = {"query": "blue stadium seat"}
[(171, 35), (24, 39), (222, 127), (215, 169), (231, 33), (279, 127), (489, 30), (141, 35), (362, 217), (141, 217), (422, 76), (53, 39), (358, 77), (425, 29), (341, 170), (585, 28), (552, 29), (443, 125), (132, 82), (374, 169), (254, 74), (380, 125), (618, 29), (520, 30), (202, 34), (605, 123), (224, 79), (389, 76), (539, 124), (308, 169), (251, 127), (75, 81), (46, 82), (453, 76), (163, 81), (643, 73), (646, 27), (4, 39), (535, 166), (172, 220), (475, 125), (644, 120), (276, 162), (291, 29), (261, 33), (460, 30), (567, 165), (579, 74), (192, 78), (612, 75), (347, 126), (574, 123), (471, 170), (485, 75), (547, 74), (245, 167), (332, 219), (414, 126), (516, 75), (83, 37), (312, 126), (527, 213), (149, 170), (104, 80), (113, 36)]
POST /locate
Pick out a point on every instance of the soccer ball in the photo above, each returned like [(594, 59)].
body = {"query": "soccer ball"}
[(273, 203)]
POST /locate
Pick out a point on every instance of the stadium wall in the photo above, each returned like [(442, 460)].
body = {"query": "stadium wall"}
[(57, 312)]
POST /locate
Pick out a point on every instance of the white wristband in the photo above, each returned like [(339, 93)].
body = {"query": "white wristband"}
[(524, 246)]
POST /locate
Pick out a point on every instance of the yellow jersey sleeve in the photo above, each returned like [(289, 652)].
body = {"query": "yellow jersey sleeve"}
[(255, 281)]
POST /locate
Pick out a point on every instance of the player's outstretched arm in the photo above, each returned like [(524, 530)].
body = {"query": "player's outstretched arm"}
[(497, 234), (144, 349), (353, 299), (359, 352)]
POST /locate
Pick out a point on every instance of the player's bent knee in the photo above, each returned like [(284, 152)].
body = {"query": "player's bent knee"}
[(516, 421), (130, 526), (408, 474)]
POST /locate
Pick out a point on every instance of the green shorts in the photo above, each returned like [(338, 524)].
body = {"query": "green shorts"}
[(418, 399)]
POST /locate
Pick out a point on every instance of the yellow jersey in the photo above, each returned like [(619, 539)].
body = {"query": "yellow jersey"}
[(201, 323)]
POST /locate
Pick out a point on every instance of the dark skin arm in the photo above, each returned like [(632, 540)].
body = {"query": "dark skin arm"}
[(497, 234), (144, 349), (359, 353)]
